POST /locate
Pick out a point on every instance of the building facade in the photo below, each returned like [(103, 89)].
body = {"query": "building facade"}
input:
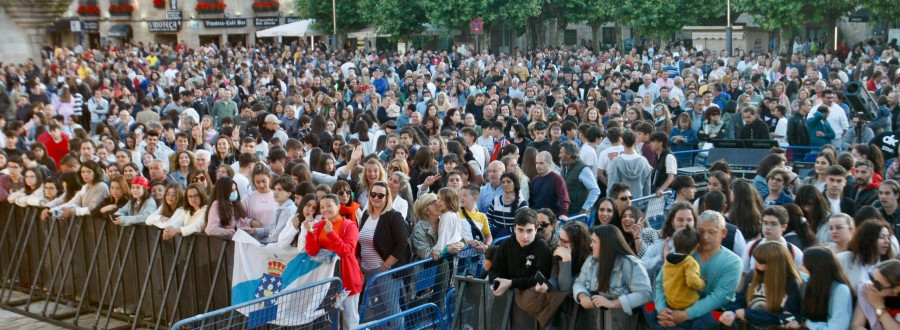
[(194, 22)]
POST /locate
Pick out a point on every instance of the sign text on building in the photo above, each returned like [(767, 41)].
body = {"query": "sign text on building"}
[(225, 22), (164, 26)]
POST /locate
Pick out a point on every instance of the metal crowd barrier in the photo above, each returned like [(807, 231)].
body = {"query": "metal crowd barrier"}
[(427, 316), (477, 308), (86, 273), (427, 281), (655, 208), (312, 306)]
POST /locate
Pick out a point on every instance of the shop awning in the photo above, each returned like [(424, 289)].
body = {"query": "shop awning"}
[(368, 32), (297, 29), (121, 31)]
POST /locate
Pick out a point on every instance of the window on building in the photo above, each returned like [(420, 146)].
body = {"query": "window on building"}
[(609, 35), (570, 37)]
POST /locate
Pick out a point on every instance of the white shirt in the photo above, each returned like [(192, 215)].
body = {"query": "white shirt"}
[(607, 155), (837, 118), (835, 204), (750, 262), (781, 129), (588, 155), (480, 156)]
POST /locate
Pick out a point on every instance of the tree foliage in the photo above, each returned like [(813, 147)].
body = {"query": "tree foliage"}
[(458, 13), (348, 18), (396, 17)]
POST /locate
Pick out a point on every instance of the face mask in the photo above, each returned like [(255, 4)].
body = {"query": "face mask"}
[(233, 197), (512, 135), (426, 99)]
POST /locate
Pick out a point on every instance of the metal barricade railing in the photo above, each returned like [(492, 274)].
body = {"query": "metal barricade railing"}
[(499, 240), (403, 288), (583, 218), (655, 208), (426, 316), (312, 306), (477, 308), (83, 272)]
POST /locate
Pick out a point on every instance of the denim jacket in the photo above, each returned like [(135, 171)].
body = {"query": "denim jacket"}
[(629, 282)]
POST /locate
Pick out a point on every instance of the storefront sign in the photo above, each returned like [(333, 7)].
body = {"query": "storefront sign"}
[(265, 21), (225, 22), (75, 26), (164, 26), (91, 26), (289, 20), (173, 15)]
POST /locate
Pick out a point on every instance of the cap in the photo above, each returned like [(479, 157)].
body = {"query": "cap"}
[(272, 119), (141, 181)]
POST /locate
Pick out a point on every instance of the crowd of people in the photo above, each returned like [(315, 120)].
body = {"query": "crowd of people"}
[(387, 158)]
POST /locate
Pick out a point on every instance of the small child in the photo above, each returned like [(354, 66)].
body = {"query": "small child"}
[(322, 190), (681, 273)]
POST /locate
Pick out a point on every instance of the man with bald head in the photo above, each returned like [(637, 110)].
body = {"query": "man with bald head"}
[(548, 189), (492, 188)]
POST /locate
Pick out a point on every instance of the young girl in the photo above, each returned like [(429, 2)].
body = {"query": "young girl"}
[(33, 190), (226, 213), (173, 198), (772, 296), (139, 207), (683, 137), (449, 226), (190, 218), (118, 197), (88, 198), (827, 293)]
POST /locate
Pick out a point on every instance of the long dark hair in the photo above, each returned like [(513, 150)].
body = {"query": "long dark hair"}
[(73, 184), (612, 247), (823, 270), (809, 194), (616, 217), (864, 243), (227, 209), (746, 209), (579, 242), (797, 224), (516, 185), (668, 230)]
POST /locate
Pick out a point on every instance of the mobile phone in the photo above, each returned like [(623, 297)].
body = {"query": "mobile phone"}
[(496, 285), (540, 278)]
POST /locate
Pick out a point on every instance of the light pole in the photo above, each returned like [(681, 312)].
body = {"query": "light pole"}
[(728, 30), (334, 40)]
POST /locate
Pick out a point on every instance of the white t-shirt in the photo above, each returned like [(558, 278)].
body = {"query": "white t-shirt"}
[(588, 155), (479, 153), (835, 205), (607, 155), (781, 130), (671, 164)]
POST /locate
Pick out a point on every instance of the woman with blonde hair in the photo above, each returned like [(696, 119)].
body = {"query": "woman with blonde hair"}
[(442, 102), (662, 119), (772, 296), (372, 172)]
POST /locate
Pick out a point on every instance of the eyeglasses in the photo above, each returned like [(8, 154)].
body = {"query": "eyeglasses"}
[(878, 286), (590, 100), (377, 195), (658, 109), (344, 192), (626, 198)]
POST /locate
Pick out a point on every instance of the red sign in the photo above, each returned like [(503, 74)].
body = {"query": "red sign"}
[(477, 25)]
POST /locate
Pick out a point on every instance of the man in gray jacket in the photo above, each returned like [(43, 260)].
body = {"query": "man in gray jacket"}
[(630, 168)]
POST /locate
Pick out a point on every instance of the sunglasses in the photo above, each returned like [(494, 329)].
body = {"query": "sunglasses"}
[(377, 195), (626, 198), (878, 286), (199, 178), (544, 225), (343, 192)]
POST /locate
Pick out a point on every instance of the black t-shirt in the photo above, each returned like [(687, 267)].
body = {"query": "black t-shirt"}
[(887, 143)]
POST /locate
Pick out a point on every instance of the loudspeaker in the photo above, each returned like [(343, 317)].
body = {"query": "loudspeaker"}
[(861, 103)]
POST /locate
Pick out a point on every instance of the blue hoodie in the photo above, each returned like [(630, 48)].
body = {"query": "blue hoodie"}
[(721, 100), (817, 124)]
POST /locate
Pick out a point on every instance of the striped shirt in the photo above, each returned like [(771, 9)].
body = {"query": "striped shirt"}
[(500, 214), (370, 258)]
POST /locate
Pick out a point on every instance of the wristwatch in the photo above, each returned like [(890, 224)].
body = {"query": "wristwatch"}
[(880, 311)]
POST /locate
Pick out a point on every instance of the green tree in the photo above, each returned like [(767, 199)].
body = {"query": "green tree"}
[(400, 18), (348, 18), (887, 10), (458, 13), (776, 15)]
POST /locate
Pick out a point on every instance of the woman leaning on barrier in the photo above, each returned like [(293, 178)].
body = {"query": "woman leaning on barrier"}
[(118, 197), (173, 198), (33, 190), (89, 197), (383, 244), (139, 207), (226, 213), (190, 218), (424, 234), (612, 283)]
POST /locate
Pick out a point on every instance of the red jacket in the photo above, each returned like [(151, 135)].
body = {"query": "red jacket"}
[(55, 150), (345, 247)]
